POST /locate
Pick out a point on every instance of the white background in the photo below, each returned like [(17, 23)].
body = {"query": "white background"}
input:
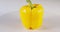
[(10, 21)]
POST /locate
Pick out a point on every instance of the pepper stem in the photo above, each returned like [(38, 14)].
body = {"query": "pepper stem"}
[(30, 3)]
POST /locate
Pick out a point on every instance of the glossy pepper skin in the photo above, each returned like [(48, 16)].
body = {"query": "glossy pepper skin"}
[(32, 18)]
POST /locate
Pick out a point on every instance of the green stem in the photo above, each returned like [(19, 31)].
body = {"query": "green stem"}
[(30, 3)]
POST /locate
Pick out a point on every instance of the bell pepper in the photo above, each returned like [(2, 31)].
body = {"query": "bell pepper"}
[(32, 15)]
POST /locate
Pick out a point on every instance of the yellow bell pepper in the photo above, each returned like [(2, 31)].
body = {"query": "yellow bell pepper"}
[(32, 18)]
